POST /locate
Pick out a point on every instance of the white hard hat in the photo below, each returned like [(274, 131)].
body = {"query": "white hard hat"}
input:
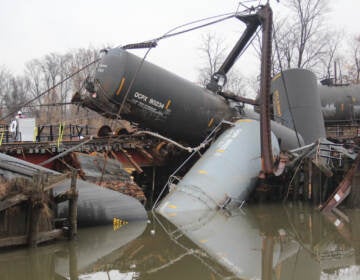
[(19, 113)]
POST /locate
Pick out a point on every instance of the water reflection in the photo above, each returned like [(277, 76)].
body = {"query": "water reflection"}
[(277, 242), (68, 260), (258, 242)]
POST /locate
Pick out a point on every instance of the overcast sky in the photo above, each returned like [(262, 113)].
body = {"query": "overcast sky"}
[(30, 29)]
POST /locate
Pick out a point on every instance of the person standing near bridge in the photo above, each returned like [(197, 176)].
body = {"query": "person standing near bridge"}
[(13, 128), (19, 115)]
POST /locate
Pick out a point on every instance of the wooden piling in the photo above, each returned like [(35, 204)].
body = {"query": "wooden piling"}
[(73, 205), (35, 206), (34, 223)]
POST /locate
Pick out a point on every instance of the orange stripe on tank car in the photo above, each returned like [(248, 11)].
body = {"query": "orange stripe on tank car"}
[(120, 86), (168, 104), (211, 122)]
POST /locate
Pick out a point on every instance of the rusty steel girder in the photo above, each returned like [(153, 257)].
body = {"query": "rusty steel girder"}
[(265, 84)]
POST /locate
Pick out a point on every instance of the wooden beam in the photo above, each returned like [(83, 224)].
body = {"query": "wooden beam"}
[(11, 201), (23, 239), (50, 235)]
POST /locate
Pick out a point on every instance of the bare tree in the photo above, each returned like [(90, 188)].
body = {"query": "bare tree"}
[(300, 39), (357, 60), (16, 94), (48, 72), (309, 39), (34, 76), (13, 92), (51, 70), (331, 57), (213, 52), (81, 57), (236, 83), (5, 78), (283, 47), (350, 58), (354, 72)]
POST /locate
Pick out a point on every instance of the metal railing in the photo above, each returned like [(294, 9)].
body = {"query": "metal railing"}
[(46, 133)]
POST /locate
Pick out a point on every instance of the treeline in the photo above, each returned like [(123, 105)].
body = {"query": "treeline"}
[(40, 75), (304, 39), (301, 39)]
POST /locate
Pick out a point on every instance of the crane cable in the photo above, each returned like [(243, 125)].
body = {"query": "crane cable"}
[(153, 42)]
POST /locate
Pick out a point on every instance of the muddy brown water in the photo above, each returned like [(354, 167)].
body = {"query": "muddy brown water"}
[(292, 241)]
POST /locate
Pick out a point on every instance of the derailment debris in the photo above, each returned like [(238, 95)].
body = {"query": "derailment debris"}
[(343, 190), (27, 213)]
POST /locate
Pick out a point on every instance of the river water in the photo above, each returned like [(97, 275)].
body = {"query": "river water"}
[(290, 241)]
